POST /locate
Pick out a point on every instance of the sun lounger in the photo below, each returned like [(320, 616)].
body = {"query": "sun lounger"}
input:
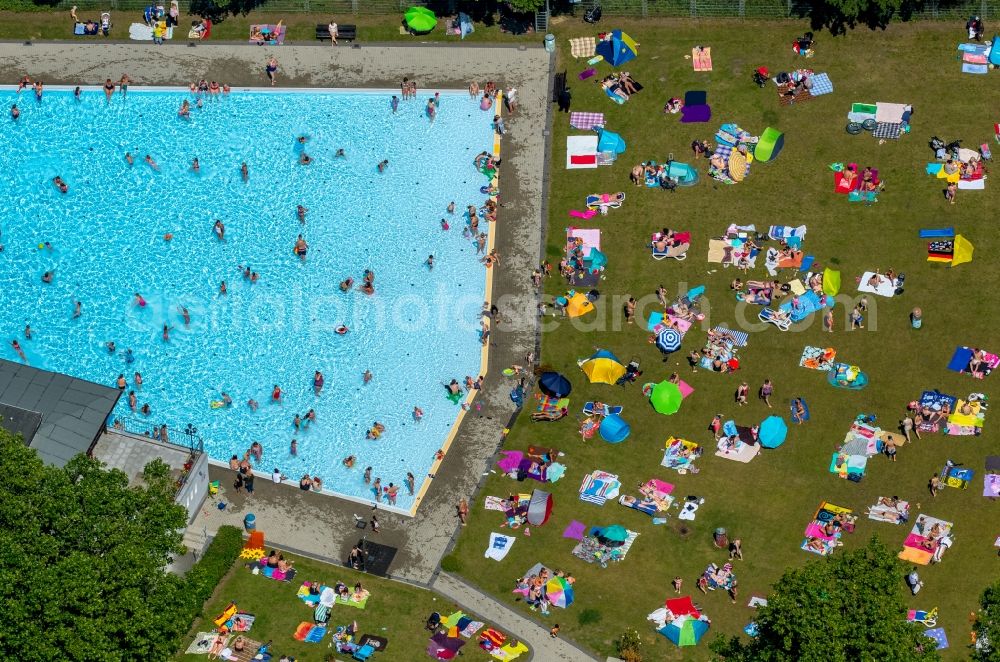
[(773, 317), (605, 410), (675, 252)]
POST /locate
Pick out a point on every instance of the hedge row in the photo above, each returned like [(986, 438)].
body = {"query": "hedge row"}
[(218, 559)]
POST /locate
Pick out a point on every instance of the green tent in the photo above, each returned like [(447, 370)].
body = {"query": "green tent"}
[(831, 282), (420, 20), (666, 398)]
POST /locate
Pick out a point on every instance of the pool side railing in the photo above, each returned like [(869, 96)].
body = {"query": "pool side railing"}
[(187, 439)]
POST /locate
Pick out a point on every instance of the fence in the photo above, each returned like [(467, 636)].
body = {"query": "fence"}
[(187, 438), (931, 9)]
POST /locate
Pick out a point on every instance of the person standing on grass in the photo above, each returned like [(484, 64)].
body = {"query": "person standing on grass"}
[(630, 310), (766, 390), (828, 320), (741, 394), (934, 485), (677, 584), (736, 549)]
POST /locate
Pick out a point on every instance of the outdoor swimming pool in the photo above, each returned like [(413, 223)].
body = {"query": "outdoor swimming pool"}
[(419, 330)]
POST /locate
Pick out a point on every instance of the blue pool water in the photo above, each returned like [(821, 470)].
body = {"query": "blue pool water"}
[(419, 330)]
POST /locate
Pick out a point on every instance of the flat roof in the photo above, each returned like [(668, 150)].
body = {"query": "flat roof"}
[(58, 415)]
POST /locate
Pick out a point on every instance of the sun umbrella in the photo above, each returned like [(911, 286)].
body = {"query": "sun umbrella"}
[(612, 536), (603, 368), (420, 19), (685, 631), (597, 259), (559, 592), (666, 398), (773, 431), (554, 385), (669, 340)]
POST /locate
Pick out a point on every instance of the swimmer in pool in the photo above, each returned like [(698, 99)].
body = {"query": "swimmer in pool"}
[(382, 166), (137, 378), (318, 382), (346, 284), (245, 171), (341, 329), (146, 411), (252, 404), (129, 159), (429, 262), (48, 276), (254, 277), (27, 332), (349, 461), (276, 393), (418, 414), (431, 110), (220, 230), (451, 207), (444, 225), (301, 248), (151, 163), (340, 154), (301, 211), (185, 110), (76, 93), (110, 346), (367, 376), (129, 357), (121, 381), (139, 301), (60, 184), (223, 290), (305, 159), (185, 315), (166, 333), (394, 104), (17, 348), (77, 309), (15, 112), (195, 166), (133, 401), (302, 140), (227, 401)]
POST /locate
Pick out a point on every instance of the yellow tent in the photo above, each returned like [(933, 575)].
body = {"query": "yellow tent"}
[(963, 251), (579, 305), (603, 368)]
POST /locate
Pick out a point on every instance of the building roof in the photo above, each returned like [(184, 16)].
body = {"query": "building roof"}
[(58, 415)]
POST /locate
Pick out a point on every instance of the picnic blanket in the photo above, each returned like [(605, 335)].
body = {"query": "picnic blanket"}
[(801, 307), (306, 595), (888, 510), (817, 358), (599, 486), (963, 425), (273, 573), (885, 287), (786, 99), (961, 361), (202, 643), (928, 540), (582, 47), (956, 476), (741, 452), (725, 152), (498, 546), (586, 121), (887, 131), (821, 84), (272, 34), (591, 550), (891, 113), (932, 406), (817, 538), (680, 455)]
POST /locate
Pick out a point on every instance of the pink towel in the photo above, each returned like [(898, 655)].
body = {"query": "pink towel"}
[(972, 58), (660, 486), (590, 213), (814, 530), (685, 388), (914, 540), (510, 461)]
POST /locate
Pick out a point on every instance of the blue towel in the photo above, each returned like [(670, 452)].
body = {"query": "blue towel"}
[(805, 406), (654, 319), (807, 262), (975, 49), (933, 233), (969, 68), (960, 359), (933, 169)]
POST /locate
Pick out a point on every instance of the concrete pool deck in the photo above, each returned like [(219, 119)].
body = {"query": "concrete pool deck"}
[(315, 524)]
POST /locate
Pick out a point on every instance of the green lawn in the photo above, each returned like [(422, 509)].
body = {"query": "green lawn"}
[(768, 502), (395, 611)]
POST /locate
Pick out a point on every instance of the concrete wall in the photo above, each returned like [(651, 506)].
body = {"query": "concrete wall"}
[(194, 491)]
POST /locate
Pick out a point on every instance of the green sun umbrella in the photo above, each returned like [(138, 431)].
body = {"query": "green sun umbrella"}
[(666, 398), (420, 19)]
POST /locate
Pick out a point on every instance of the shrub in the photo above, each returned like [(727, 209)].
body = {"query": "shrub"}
[(451, 563), (589, 616), (202, 579), (629, 646)]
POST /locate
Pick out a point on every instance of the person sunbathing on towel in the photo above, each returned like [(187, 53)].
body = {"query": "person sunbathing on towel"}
[(759, 297), (816, 544), (660, 245), (717, 162), (875, 280), (625, 78), (217, 645), (646, 505), (848, 176), (613, 87)]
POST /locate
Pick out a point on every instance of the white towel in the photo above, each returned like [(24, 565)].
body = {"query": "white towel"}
[(885, 287), (891, 113), (499, 545)]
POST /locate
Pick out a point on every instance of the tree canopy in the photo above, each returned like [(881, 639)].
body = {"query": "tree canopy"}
[(987, 626), (82, 562), (847, 607), (839, 15)]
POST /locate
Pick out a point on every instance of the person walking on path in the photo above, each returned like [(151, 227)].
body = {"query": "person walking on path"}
[(741, 394), (934, 485), (766, 389), (554, 632), (272, 69)]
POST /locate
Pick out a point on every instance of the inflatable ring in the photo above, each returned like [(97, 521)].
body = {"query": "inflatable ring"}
[(869, 124), (484, 189), (854, 128), (508, 372), (647, 389)]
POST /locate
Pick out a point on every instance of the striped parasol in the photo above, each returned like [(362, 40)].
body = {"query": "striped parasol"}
[(669, 340)]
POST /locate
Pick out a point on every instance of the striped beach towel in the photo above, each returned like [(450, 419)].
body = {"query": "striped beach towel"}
[(583, 47), (586, 121), (740, 338)]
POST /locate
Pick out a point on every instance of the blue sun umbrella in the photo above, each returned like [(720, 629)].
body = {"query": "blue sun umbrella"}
[(669, 340), (614, 429), (555, 385), (773, 431)]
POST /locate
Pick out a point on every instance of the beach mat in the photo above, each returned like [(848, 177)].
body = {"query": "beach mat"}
[(787, 100)]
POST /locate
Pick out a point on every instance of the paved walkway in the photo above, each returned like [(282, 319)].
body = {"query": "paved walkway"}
[(543, 647)]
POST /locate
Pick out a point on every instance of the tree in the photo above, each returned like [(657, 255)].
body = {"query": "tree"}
[(987, 627), (839, 15), (82, 562), (526, 5), (217, 11), (844, 608)]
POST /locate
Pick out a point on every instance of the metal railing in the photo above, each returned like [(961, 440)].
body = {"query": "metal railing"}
[(186, 438)]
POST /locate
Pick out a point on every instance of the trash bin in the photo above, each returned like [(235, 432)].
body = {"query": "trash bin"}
[(550, 43), (250, 522), (721, 538)]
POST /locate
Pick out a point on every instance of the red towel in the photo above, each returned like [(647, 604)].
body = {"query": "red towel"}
[(583, 159)]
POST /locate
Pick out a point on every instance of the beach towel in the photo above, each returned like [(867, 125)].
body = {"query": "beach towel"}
[(575, 530), (885, 287), (991, 485), (742, 453), (821, 84), (308, 632), (586, 121), (701, 58), (974, 58), (498, 546), (889, 112), (884, 511), (939, 637), (581, 152), (737, 338), (969, 68), (582, 47), (817, 358), (786, 99), (202, 643), (973, 185), (679, 454), (887, 131)]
